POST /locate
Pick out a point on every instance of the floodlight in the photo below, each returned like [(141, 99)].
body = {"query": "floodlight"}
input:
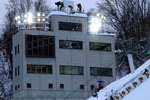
[(38, 14), (25, 21), (19, 22), (43, 14), (43, 19), (30, 20), (95, 24), (18, 17), (25, 16), (97, 14), (38, 19)]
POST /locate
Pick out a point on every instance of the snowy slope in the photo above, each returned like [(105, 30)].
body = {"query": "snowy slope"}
[(140, 93), (121, 83)]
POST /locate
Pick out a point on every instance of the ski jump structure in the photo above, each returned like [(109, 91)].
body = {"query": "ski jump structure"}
[(129, 86)]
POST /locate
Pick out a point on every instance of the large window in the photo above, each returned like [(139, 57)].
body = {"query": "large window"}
[(70, 26), (40, 46), (71, 70), (97, 71), (39, 69), (68, 44), (100, 46)]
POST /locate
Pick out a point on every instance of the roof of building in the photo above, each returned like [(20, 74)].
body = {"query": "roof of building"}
[(66, 14)]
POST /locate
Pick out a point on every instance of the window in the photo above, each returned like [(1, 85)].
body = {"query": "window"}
[(18, 86), (92, 87), (28, 85), (100, 46), (18, 70), (39, 69), (81, 87), (67, 26), (15, 71), (71, 70), (50, 86), (15, 50), (68, 44), (40, 46), (61, 86), (97, 71), (18, 48), (15, 88)]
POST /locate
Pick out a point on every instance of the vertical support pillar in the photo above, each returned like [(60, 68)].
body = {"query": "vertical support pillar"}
[(131, 64)]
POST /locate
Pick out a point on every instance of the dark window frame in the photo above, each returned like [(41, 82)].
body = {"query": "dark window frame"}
[(18, 49), (63, 68), (18, 70), (50, 86), (68, 44), (39, 69), (82, 87), (100, 46), (92, 87), (62, 86), (101, 71), (29, 85), (70, 26), (16, 88), (36, 46), (15, 50)]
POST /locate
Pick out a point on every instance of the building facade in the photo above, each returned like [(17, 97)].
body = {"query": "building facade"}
[(63, 63)]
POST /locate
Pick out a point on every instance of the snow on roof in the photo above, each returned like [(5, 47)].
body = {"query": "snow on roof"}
[(110, 34), (116, 85), (66, 14)]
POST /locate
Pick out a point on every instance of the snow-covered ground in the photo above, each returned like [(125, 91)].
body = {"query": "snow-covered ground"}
[(141, 92)]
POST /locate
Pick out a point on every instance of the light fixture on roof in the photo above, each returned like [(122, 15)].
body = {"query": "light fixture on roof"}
[(30, 20), (43, 14), (95, 25), (18, 17), (98, 14), (38, 14), (25, 16), (38, 19), (25, 21), (19, 22), (43, 19)]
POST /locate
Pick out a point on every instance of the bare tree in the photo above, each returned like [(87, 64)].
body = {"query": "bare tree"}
[(5, 82), (128, 19), (40, 6)]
